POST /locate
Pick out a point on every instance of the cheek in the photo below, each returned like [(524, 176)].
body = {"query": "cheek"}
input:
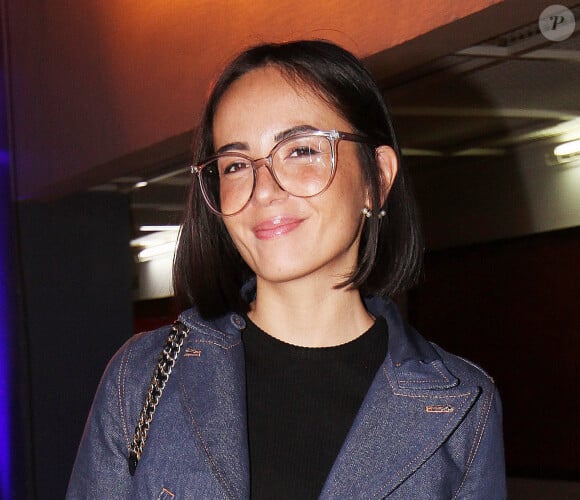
[(240, 239), (233, 230), (351, 191)]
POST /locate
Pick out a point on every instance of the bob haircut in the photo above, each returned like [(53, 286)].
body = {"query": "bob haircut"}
[(209, 272)]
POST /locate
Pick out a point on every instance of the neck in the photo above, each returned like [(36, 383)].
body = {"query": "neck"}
[(309, 316)]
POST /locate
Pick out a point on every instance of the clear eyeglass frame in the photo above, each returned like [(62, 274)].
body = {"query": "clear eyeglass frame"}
[(333, 136)]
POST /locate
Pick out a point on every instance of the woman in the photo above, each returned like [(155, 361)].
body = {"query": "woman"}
[(297, 377)]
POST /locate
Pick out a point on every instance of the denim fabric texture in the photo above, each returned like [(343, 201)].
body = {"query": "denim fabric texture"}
[(430, 426)]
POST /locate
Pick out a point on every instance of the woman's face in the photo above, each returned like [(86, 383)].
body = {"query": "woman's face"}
[(282, 237)]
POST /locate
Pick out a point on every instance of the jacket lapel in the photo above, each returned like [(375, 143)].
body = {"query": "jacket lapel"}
[(395, 432), (411, 408), (212, 387)]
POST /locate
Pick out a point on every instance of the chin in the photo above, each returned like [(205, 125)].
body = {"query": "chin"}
[(281, 274), (288, 272)]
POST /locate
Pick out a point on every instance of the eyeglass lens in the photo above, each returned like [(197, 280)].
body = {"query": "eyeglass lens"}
[(302, 166)]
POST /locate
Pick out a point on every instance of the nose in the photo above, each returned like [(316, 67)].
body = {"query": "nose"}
[(267, 188)]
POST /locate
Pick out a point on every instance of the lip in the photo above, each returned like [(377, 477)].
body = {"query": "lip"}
[(276, 226)]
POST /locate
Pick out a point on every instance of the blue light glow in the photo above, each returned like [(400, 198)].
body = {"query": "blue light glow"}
[(5, 326)]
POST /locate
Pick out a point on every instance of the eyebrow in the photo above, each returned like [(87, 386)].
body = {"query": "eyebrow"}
[(280, 136), (293, 131)]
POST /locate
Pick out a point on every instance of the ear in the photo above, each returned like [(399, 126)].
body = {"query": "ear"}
[(388, 164)]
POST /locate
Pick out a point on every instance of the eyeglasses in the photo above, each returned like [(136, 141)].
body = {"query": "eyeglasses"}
[(303, 165)]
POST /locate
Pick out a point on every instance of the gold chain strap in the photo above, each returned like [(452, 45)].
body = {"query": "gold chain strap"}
[(160, 377)]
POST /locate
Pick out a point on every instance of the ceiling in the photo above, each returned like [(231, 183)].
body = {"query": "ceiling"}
[(485, 100), (499, 94)]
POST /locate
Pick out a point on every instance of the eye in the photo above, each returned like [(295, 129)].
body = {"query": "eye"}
[(234, 166), (299, 151)]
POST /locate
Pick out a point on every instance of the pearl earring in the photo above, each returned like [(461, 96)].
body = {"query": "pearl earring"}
[(368, 213)]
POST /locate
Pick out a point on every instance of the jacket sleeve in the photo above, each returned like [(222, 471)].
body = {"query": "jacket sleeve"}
[(485, 476), (101, 469)]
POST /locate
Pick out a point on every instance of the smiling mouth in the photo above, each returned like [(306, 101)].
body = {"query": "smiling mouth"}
[(278, 226)]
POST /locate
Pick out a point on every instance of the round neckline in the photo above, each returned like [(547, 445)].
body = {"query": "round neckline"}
[(267, 346)]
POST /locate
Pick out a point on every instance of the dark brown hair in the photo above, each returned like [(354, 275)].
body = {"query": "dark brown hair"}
[(209, 272)]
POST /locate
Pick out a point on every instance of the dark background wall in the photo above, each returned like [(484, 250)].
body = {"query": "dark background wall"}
[(77, 298), (512, 307)]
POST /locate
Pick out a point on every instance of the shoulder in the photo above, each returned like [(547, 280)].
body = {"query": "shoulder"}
[(133, 364), (141, 351), (127, 376)]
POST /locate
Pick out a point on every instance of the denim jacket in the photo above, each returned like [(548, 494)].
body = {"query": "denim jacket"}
[(430, 426)]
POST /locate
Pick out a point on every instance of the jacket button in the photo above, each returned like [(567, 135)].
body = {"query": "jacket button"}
[(238, 321)]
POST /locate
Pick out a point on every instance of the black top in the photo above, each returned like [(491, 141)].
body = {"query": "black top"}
[(301, 404)]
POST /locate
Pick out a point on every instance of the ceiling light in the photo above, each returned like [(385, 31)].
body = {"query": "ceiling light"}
[(152, 229), (568, 148), (420, 152), (154, 239), (156, 251), (141, 184)]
